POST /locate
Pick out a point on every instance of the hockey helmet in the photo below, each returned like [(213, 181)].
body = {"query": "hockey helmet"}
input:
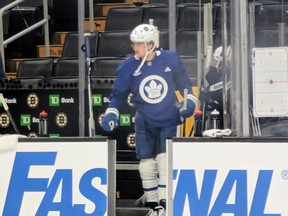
[(218, 54), (145, 33)]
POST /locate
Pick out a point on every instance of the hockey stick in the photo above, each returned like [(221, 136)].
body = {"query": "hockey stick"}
[(91, 121), (202, 100), (184, 108), (6, 108)]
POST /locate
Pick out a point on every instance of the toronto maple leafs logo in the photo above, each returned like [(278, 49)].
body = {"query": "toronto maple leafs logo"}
[(153, 89)]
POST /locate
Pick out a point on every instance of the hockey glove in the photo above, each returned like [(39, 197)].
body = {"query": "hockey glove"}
[(189, 111), (110, 119)]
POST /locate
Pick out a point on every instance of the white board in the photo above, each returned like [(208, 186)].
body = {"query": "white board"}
[(270, 81)]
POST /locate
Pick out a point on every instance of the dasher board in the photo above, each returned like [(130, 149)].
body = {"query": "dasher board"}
[(270, 81)]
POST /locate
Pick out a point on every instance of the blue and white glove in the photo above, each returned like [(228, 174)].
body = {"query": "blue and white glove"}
[(188, 111), (110, 119)]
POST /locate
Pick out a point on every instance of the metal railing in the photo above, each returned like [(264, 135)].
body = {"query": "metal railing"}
[(44, 21)]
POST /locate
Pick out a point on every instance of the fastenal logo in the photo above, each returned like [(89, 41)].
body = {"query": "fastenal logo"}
[(54, 100), (97, 100), (125, 120), (61, 120), (32, 100), (4, 120), (131, 140), (25, 120)]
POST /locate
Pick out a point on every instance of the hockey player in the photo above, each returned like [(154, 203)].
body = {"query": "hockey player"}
[(152, 76), (214, 77)]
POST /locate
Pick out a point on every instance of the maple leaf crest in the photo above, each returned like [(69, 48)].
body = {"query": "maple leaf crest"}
[(153, 90)]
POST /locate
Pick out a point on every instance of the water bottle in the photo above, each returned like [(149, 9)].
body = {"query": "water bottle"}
[(215, 119), (198, 123), (43, 124)]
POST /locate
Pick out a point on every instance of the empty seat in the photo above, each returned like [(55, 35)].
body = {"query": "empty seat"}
[(217, 23), (164, 39), (189, 16), (159, 14), (268, 38), (64, 15), (115, 43), (35, 68), (105, 66), (33, 73), (123, 18), (70, 47), (190, 64), (66, 67), (65, 73), (21, 18), (269, 15), (186, 43)]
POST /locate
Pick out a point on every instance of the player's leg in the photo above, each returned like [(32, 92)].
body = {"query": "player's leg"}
[(145, 150), (165, 133)]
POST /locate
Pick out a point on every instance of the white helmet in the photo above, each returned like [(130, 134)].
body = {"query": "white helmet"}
[(145, 33), (218, 57), (218, 53)]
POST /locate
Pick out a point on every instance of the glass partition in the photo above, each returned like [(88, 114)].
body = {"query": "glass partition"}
[(242, 72)]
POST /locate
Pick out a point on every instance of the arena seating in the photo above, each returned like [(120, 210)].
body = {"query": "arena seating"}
[(34, 72), (164, 39), (65, 72), (103, 71), (70, 47), (267, 38), (36, 68), (269, 15), (159, 14), (114, 43), (111, 47), (190, 64), (217, 17), (63, 17), (123, 18), (191, 11), (66, 67), (105, 66), (186, 43), (20, 19)]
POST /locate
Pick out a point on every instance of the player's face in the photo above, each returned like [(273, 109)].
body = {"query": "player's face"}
[(139, 49)]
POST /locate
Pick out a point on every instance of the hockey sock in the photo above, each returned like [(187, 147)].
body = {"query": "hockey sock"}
[(161, 161), (149, 175)]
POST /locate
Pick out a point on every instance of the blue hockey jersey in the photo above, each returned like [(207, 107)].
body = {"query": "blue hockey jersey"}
[(153, 87)]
